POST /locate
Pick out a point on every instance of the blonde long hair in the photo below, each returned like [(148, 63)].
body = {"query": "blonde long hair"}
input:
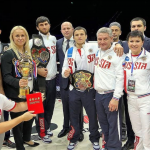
[(14, 47)]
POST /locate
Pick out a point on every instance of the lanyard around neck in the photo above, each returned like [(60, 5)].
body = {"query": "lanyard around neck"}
[(132, 67)]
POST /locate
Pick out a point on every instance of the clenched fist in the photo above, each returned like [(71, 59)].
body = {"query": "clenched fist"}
[(67, 72)]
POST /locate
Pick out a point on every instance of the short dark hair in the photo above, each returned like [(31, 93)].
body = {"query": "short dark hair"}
[(137, 19), (115, 24), (80, 28), (41, 19), (135, 33)]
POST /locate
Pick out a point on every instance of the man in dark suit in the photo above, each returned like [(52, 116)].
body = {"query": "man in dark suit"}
[(140, 25), (116, 32), (61, 46)]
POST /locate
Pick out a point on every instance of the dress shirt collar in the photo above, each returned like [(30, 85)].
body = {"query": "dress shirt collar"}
[(71, 39)]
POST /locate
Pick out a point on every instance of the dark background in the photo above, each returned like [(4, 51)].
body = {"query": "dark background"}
[(92, 15)]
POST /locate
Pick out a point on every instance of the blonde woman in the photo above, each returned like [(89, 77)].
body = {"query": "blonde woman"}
[(19, 44)]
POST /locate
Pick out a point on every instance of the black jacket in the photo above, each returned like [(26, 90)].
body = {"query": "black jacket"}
[(146, 45), (10, 81)]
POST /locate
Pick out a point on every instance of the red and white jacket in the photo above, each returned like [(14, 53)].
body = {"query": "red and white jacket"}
[(85, 62), (88, 53), (5, 104), (108, 74), (141, 73)]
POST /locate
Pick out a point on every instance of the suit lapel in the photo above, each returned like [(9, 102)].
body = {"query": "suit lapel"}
[(145, 42), (61, 44)]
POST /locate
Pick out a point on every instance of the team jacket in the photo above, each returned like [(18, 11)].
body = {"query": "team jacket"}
[(89, 52), (141, 73), (108, 74)]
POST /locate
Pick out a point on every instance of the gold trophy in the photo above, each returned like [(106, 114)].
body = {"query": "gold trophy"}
[(26, 69)]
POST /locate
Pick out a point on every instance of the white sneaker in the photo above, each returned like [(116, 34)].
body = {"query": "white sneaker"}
[(49, 133), (71, 146), (45, 139), (96, 146)]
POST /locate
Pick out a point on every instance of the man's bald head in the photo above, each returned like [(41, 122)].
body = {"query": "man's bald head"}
[(67, 29), (66, 23)]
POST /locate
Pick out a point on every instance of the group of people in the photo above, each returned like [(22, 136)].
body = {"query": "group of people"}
[(99, 77)]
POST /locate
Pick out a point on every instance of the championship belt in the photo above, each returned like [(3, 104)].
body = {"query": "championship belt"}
[(41, 56), (82, 80)]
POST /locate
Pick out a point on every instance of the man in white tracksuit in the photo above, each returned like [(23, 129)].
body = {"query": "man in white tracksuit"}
[(48, 42), (108, 83), (77, 58)]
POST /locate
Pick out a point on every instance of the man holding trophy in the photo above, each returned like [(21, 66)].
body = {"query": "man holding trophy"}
[(17, 73), (43, 49)]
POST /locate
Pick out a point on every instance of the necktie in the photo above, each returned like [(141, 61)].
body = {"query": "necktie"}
[(67, 45), (79, 50)]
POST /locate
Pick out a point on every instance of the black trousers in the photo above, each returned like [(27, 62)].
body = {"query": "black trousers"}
[(6, 118), (43, 120), (21, 132), (65, 102), (109, 121), (78, 99), (130, 132)]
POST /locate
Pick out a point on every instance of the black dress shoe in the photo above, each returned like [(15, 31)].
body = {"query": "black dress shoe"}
[(32, 145), (81, 137), (63, 132), (128, 145)]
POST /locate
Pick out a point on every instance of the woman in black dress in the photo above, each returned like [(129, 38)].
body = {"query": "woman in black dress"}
[(19, 44)]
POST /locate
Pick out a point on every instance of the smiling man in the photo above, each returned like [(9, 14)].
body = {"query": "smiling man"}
[(79, 67), (108, 77)]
